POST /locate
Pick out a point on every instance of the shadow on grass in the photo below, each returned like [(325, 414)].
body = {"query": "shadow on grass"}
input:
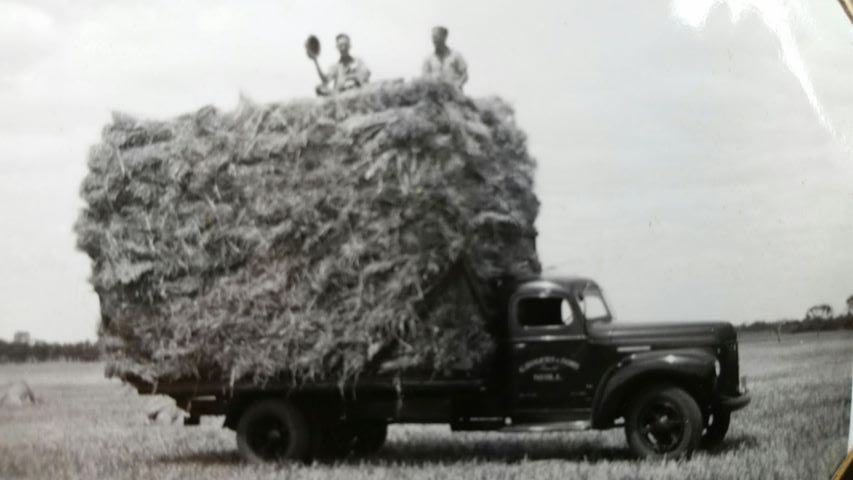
[(510, 452), (206, 458), (501, 449), (511, 449), (734, 444), (426, 451)]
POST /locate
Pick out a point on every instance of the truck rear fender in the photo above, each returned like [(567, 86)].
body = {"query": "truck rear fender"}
[(690, 369), (313, 404)]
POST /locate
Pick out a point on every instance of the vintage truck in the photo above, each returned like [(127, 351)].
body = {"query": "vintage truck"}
[(562, 364)]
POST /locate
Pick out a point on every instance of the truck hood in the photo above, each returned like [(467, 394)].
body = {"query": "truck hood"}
[(663, 334)]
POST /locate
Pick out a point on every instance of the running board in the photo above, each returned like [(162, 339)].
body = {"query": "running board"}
[(548, 427)]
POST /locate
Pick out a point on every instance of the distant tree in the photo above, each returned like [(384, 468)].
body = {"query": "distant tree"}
[(22, 337), (819, 312), (850, 305), (817, 318)]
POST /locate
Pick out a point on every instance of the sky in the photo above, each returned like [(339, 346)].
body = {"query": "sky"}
[(694, 158)]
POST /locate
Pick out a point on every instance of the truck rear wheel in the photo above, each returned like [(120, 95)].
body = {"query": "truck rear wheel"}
[(272, 430), (369, 437), (663, 422)]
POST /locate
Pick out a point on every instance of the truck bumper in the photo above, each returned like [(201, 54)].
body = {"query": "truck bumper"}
[(734, 402), (731, 404)]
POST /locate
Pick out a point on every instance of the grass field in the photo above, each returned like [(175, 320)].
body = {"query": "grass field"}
[(89, 428)]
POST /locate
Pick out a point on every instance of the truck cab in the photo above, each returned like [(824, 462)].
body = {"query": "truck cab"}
[(562, 363), (573, 366)]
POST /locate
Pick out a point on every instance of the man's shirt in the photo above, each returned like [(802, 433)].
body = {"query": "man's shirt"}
[(351, 75), (450, 68)]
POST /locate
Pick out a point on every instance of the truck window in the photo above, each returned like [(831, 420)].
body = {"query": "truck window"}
[(593, 306), (544, 312)]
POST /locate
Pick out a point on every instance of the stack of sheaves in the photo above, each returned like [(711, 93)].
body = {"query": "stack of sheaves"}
[(318, 239)]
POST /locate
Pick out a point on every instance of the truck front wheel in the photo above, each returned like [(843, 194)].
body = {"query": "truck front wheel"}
[(663, 422), (272, 430)]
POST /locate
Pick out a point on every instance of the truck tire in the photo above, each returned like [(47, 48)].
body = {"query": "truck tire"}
[(716, 429), (273, 431), (369, 437), (663, 422)]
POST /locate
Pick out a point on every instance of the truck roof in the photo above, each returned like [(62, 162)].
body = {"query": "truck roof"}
[(560, 284)]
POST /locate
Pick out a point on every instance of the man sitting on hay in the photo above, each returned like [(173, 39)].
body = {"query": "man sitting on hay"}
[(348, 73)]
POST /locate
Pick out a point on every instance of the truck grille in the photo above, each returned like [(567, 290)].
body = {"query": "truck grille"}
[(729, 370)]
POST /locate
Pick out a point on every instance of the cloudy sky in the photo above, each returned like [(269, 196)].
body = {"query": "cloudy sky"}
[(683, 161)]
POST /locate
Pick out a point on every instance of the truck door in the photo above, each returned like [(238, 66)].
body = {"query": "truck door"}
[(548, 359)]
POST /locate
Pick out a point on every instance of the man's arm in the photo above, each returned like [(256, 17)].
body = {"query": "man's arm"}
[(323, 77), (362, 73), (461, 70), (426, 68)]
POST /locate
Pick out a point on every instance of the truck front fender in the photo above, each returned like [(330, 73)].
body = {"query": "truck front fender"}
[(691, 369)]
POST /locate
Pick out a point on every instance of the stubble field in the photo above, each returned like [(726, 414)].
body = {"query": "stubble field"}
[(87, 427)]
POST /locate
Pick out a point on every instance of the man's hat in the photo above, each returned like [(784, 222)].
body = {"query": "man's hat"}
[(312, 46)]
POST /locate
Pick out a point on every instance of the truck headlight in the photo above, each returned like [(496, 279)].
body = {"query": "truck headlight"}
[(717, 368)]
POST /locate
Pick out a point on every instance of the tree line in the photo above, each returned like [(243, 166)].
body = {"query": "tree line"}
[(18, 352), (817, 319)]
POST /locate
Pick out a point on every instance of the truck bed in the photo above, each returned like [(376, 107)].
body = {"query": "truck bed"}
[(415, 397), (409, 384)]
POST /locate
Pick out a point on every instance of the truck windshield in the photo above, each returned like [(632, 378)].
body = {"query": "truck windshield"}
[(594, 306)]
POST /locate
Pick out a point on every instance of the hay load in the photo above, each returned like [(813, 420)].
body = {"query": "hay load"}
[(323, 239)]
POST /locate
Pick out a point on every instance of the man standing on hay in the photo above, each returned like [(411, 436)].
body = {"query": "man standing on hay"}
[(444, 63), (348, 73)]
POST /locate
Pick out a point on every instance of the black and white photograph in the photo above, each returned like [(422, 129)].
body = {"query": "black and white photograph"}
[(366, 239)]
